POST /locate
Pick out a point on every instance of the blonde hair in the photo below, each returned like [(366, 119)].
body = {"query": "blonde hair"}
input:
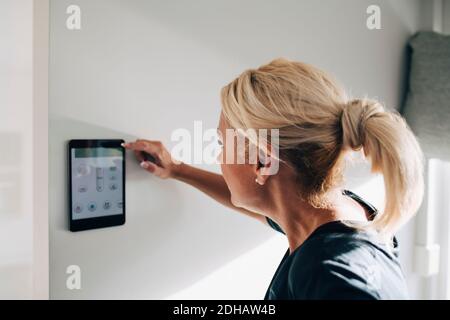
[(318, 125)]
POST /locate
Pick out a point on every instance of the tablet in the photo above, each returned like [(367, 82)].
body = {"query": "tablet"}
[(96, 184)]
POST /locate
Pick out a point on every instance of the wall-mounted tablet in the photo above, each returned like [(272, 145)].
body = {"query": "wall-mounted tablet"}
[(96, 184)]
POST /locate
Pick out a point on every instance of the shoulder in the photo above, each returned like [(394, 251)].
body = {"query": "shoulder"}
[(337, 241), (338, 265)]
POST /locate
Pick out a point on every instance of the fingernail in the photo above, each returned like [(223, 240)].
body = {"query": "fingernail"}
[(123, 144), (144, 164)]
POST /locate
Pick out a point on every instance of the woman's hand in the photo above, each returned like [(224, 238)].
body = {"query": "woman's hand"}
[(163, 165)]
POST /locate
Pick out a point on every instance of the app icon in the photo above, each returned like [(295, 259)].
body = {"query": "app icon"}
[(82, 169), (78, 208), (113, 186), (106, 205), (92, 206)]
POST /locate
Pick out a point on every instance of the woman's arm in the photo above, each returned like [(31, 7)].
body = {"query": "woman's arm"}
[(163, 166), (213, 185)]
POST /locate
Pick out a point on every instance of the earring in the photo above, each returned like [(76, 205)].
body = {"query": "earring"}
[(256, 180)]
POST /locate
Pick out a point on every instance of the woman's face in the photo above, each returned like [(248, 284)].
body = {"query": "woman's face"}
[(240, 178)]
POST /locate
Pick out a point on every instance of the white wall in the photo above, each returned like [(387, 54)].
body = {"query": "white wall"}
[(40, 149), (144, 68), (16, 159), (23, 136)]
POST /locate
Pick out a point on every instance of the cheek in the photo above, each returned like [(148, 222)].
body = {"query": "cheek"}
[(229, 174), (240, 182), (240, 178)]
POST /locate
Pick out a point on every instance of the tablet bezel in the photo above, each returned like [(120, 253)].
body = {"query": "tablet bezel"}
[(97, 222)]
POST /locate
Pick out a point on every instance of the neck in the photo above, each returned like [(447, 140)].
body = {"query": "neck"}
[(299, 219)]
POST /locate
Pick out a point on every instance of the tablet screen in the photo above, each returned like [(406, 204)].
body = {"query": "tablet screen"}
[(97, 182)]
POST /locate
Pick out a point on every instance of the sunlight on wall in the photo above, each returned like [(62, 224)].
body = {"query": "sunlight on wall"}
[(221, 284)]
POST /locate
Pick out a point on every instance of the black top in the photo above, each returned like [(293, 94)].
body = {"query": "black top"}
[(339, 262)]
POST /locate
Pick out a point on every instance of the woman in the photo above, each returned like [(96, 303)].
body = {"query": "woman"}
[(340, 247)]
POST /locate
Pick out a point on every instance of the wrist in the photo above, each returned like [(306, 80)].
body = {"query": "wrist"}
[(178, 170)]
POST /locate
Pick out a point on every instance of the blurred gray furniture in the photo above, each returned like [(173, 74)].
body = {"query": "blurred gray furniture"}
[(427, 107)]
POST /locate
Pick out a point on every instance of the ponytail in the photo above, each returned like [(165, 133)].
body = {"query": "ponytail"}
[(394, 151)]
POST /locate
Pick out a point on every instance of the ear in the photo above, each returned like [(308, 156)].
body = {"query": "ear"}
[(267, 166)]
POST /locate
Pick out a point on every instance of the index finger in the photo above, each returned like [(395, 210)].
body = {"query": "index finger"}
[(151, 147)]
